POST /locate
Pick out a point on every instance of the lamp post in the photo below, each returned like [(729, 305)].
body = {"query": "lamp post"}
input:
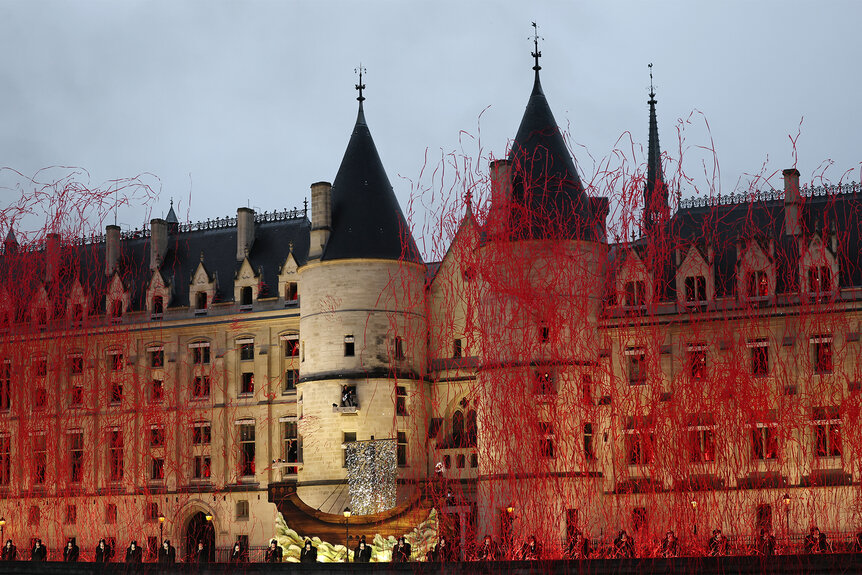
[(346, 534), (161, 529), (2, 530), (786, 499), (694, 511)]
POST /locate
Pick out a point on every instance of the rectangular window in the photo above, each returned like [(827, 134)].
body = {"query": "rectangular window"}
[(40, 367), (158, 306), (544, 333), (637, 365), (200, 353), (635, 294), (349, 350), (40, 399), (399, 348), (758, 284), (201, 433), (701, 445), (639, 447), (115, 361), (115, 455), (76, 456), (157, 469), (71, 514), (589, 448), (764, 442), (347, 437), (151, 512), (822, 354), (697, 361), (157, 358), (242, 510), (77, 314), (401, 449), (543, 383), (245, 298), (759, 358), (247, 384), (202, 467), (246, 448), (291, 293), (76, 364), (111, 513), (40, 458), (695, 289), (291, 378), (291, 346), (5, 459), (34, 515), (201, 302), (117, 309), (587, 389), (546, 439), (827, 432), (157, 436), (116, 393), (763, 518), (157, 391), (456, 348), (290, 445), (76, 396), (246, 350), (6, 385), (819, 279), (400, 400), (201, 387)]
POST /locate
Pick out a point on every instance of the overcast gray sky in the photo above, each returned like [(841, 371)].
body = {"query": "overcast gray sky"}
[(236, 103)]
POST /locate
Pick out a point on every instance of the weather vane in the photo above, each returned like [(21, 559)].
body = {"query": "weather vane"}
[(651, 91), (360, 86), (536, 54)]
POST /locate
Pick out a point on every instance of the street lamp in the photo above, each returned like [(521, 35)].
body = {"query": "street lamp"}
[(2, 529), (694, 510), (786, 499), (346, 534), (161, 528)]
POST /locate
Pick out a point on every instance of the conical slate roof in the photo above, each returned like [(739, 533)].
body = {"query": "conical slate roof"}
[(548, 199), (367, 221)]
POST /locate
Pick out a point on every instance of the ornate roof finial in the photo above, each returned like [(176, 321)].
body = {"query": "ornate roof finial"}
[(536, 53), (360, 86), (468, 198)]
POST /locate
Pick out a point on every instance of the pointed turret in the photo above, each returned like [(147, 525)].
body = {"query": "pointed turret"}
[(656, 210), (10, 244), (548, 198), (171, 219), (367, 221)]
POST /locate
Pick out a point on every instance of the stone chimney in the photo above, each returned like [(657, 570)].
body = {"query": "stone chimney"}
[(158, 242), (244, 232), (501, 194), (112, 249), (321, 218), (52, 257), (792, 199)]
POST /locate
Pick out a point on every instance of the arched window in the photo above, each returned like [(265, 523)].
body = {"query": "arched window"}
[(471, 428), (458, 429)]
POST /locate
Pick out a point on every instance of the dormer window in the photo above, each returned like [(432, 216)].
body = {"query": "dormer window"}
[(757, 284), (245, 298), (77, 314), (116, 310), (819, 280), (158, 307), (201, 303), (635, 294), (42, 317), (695, 289), (291, 294)]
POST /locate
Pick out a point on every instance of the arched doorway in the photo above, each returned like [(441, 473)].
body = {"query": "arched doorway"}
[(199, 529)]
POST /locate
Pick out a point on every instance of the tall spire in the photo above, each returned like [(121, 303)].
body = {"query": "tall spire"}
[(536, 53), (656, 208)]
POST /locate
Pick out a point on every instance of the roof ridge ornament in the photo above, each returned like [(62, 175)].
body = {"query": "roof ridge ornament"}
[(536, 53), (360, 86), (651, 89)]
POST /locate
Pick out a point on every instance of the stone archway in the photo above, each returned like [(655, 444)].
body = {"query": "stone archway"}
[(198, 529)]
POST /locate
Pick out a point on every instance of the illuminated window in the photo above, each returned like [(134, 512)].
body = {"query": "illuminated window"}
[(764, 441), (202, 468), (827, 432), (757, 284), (76, 456), (291, 346), (247, 449), (247, 384), (701, 445)]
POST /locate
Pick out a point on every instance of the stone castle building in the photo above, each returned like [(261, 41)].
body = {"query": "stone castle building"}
[(179, 381)]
